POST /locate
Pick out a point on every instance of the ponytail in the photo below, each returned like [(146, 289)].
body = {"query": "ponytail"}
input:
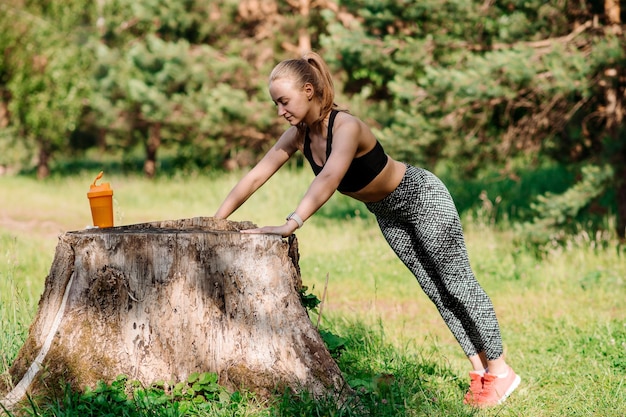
[(326, 90)]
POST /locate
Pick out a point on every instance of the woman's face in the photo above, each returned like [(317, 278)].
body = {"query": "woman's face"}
[(294, 103)]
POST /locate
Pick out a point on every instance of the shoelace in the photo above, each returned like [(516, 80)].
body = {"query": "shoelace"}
[(487, 384)]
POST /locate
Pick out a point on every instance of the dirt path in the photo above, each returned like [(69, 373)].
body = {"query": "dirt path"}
[(34, 226)]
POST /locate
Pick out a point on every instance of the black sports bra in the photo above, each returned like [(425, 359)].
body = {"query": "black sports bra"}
[(362, 170)]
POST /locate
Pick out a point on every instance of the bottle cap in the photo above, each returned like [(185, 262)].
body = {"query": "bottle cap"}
[(101, 190)]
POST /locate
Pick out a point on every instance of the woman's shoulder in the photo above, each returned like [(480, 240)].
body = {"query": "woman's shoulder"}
[(351, 124), (343, 118), (293, 137)]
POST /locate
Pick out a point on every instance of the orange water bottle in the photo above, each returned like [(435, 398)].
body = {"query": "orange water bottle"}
[(101, 202)]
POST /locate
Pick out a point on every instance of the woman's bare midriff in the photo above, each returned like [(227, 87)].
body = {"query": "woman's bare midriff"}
[(382, 185)]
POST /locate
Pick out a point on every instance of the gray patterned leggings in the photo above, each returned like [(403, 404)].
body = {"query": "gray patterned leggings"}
[(422, 226)]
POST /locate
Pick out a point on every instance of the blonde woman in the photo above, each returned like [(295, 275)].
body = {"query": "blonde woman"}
[(413, 208)]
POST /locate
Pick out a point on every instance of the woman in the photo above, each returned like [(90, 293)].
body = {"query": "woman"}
[(413, 208)]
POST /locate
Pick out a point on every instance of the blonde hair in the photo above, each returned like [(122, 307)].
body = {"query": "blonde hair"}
[(311, 68)]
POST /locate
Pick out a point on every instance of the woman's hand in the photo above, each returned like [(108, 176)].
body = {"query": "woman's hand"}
[(285, 230)]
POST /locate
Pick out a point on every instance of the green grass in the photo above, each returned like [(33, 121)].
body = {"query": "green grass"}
[(22, 272), (563, 316)]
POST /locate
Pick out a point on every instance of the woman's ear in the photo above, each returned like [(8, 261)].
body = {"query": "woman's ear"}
[(309, 90)]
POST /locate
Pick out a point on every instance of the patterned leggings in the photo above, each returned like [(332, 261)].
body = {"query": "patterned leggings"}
[(421, 224)]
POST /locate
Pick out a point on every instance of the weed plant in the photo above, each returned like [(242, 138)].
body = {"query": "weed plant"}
[(561, 310)]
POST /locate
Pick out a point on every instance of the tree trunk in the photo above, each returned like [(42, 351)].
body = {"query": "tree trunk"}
[(43, 161), (159, 301), (614, 83), (620, 196), (304, 37), (152, 146), (612, 11)]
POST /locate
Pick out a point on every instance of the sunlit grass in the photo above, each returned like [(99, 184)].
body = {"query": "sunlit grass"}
[(24, 264), (563, 316)]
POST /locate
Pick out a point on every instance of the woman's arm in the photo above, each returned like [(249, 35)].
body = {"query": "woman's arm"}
[(257, 176), (345, 146)]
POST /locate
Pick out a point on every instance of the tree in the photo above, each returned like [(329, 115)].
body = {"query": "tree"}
[(498, 84), (481, 83), (44, 72), (181, 75)]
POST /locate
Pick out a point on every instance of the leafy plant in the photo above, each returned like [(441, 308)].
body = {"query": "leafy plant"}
[(201, 387), (309, 300), (556, 214), (200, 393), (333, 342)]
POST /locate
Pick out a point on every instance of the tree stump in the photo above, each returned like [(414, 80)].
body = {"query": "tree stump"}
[(159, 301)]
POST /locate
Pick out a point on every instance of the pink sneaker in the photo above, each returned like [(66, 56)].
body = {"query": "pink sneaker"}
[(476, 386), (496, 390)]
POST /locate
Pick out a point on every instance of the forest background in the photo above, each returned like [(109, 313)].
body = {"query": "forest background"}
[(518, 105), (494, 90)]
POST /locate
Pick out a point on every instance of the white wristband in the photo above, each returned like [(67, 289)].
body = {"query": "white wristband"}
[(296, 218)]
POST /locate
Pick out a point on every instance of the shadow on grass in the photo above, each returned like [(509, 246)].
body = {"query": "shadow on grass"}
[(383, 380)]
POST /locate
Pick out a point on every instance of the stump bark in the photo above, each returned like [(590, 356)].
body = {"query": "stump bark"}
[(159, 301)]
